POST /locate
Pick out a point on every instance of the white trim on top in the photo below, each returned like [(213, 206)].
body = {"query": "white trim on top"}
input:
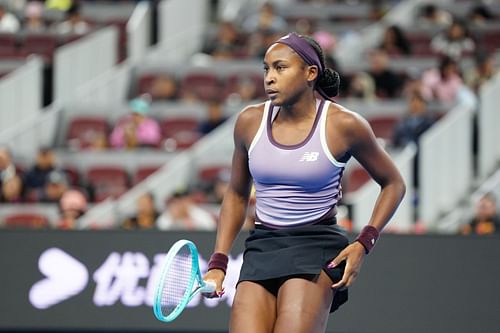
[(263, 124), (322, 135)]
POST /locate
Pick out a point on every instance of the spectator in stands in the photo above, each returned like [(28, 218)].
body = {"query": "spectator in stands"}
[(54, 188), (443, 83), (34, 17), (417, 120), (164, 88), (7, 168), (219, 186), (183, 214), (146, 214), (483, 70), (265, 20), (227, 42), (480, 15), (215, 117), (8, 21), (432, 16), (36, 177), (74, 22), (245, 92), (486, 220), (137, 129), (394, 42), (362, 86), (72, 205), (11, 190), (387, 83), (454, 42)]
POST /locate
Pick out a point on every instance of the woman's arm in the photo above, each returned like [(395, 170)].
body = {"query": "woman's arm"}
[(363, 146), (234, 206)]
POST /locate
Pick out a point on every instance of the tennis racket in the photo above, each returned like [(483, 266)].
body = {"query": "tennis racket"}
[(179, 282)]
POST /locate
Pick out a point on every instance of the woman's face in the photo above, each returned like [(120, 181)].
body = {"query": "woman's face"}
[(286, 76)]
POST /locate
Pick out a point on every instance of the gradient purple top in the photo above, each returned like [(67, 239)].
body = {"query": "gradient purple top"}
[(295, 184)]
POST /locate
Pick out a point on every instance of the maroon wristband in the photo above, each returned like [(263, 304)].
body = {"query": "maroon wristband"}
[(368, 237), (218, 260)]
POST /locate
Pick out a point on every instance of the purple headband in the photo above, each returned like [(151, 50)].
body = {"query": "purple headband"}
[(306, 52)]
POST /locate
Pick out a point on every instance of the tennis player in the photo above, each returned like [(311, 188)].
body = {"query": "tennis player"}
[(297, 263)]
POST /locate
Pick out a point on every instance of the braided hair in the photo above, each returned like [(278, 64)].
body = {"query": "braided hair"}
[(328, 80)]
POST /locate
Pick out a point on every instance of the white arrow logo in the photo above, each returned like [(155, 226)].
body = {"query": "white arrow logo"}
[(65, 277)]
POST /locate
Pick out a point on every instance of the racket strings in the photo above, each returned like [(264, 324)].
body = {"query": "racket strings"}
[(178, 281)]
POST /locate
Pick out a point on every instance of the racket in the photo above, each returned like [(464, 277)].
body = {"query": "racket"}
[(179, 282)]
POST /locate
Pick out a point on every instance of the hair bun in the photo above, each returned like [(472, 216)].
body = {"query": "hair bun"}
[(329, 82)]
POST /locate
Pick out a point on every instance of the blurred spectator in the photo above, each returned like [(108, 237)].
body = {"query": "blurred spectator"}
[(11, 190), (443, 83), (245, 92), (328, 42), (137, 129), (72, 205), (432, 16), (215, 117), (387, 83), (486, 220), (259, 41), (7, 168), (219, 187), (394, 41), (59, 4), (362, 86), (74, 22), (454, 42), (417, 120), (227, 42), (183, 214), (480, 15), (483, 70), (34, 17), (54, 188), (146, 214), (164, 88), (264, 20), (8, 21), (36, 177)]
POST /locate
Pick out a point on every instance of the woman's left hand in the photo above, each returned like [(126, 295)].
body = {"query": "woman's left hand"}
[(353, 254)]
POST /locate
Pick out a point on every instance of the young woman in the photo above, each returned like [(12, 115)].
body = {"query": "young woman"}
[(297, 263)]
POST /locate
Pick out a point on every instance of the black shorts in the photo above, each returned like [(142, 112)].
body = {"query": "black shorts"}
[(273, 256)]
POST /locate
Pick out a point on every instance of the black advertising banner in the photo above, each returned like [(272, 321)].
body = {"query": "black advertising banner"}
[(104, 280)]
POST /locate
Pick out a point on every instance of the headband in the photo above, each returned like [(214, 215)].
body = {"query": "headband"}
[(302, 47)]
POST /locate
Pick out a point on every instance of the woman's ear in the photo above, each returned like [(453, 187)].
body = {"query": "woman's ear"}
[(312, 73)]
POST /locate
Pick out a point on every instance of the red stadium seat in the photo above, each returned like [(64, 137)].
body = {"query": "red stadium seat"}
[(72, 174), (26, 220), (145, 83), (107, 181), (204, 86), (8, 47), (41, 44), (355, 179), (383, 126), (208, 174), (232, 80), (182, 130), (144, 172), (84, 130)]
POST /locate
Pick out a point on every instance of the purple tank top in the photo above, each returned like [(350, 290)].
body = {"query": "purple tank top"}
[(295, 184)]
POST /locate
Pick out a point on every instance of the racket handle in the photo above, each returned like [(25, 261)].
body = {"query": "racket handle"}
[(209, 287)]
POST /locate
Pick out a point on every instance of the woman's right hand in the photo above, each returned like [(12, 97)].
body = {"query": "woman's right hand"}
[(217, 276)]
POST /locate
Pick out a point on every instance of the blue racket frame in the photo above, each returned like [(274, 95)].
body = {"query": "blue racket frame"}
[(189, 293)]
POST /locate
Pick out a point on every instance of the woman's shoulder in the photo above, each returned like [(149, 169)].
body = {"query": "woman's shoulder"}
[(346, 121), (250, 115)]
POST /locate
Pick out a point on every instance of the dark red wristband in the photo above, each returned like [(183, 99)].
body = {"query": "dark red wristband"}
[(368, 237), (218, 260)]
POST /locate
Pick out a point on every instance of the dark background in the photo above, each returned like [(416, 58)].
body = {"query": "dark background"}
[(408, 284)]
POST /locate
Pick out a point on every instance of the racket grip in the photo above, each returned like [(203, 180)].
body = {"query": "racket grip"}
[(209, 287)]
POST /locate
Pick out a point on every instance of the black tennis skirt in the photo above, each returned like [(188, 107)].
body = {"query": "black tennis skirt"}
[(273, 255)]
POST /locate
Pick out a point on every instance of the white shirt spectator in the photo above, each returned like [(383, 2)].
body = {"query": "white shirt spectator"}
[(8, 22)]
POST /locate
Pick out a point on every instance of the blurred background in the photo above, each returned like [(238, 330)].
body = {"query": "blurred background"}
[(116, 122)]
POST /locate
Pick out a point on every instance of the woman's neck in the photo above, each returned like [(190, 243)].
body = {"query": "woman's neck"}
[(304, 107)]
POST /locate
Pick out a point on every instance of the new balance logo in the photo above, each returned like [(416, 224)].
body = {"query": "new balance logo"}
[(309, 156)]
